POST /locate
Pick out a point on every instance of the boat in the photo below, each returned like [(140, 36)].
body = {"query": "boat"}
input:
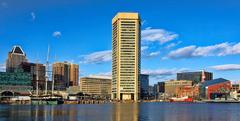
[(181, 99), (46, 100)]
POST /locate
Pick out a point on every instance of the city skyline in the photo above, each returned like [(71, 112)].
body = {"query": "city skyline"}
[(173, 39)]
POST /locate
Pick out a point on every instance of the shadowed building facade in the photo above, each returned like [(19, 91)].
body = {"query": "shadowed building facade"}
[(144, 85), (196, 77), (37, 72), (126, 56)]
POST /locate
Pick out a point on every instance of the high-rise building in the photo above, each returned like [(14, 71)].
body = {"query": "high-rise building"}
[(98, 86), (15, 57), (144, 85), (37, 72), (74, 75), (61, 75), (126, 29), (64, 74), (196, 77)]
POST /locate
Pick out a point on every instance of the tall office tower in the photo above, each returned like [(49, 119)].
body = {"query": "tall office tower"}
[(126, 56), (15, 57), (61, 75), (74, 75), (65, 74)]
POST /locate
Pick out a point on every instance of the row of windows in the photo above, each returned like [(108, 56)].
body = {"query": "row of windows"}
[(128, 27), (124, 32), (128, 22), (132, 91), (127, 74), (122, 82), (125, 29)]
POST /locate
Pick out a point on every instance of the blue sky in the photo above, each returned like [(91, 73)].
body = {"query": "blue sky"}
[(177, 35)]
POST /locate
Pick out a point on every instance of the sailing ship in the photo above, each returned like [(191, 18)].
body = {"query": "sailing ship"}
[(46, 99)]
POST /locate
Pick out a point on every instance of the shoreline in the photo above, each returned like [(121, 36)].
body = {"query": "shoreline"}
[(29, 102)]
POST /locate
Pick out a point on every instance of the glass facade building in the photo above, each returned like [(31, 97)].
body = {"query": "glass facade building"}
[(144, 85), (17, 81), (196, 77)]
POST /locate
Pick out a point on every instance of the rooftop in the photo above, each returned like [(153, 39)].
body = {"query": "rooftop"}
[(214, 81), (17, 50), (126, 15)]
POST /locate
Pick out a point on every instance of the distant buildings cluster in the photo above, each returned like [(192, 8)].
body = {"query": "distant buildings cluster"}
[(22, 76), (196, 85)]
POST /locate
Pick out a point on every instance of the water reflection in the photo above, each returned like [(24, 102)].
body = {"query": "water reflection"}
[(122, 112), (125, 112)]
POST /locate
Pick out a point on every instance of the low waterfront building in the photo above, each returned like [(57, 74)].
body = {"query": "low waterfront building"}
[(235, 87), (171, 87), (144, 85), (16, 82), (189, 91), (73, 90), (216, 88), (196, 77), (96, 86)]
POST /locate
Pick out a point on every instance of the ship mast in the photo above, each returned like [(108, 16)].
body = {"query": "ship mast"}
[(53, 78), (37, 78), (47, 70)]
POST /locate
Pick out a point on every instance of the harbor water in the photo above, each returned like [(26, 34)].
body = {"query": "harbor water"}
[(122, 112)]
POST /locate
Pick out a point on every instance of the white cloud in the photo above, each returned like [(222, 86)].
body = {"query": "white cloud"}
[(160, 35), (102, 74), (57, 34), (163, 72), (98, 57), (148, 28), (152, 54), (171, 45), (221, 49), (226, 67), (184, 52), (2, 67), (143, 48), (33, 15)]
